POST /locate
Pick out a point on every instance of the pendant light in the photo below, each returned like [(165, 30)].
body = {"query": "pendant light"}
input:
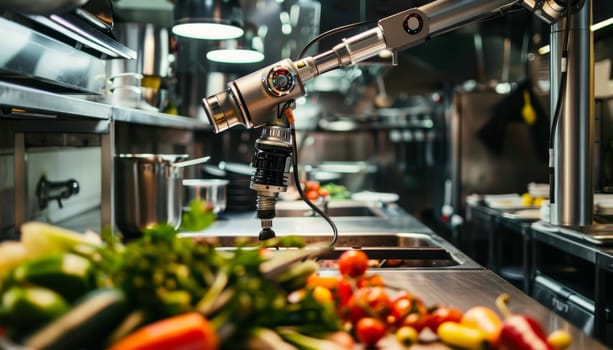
[(246, 49), (208, 19)]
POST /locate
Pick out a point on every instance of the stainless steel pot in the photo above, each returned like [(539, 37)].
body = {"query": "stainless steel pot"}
[(148, 191), (213, 192)]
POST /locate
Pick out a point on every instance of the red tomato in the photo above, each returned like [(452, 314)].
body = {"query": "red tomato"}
[(414, 320), (312, 186), (368, 301), (370, 330), (353, 263), (406, 304), (442, 314), (312, 195), (323, 192)]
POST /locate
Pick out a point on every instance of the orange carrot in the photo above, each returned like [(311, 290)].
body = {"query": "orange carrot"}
[(187, 331)]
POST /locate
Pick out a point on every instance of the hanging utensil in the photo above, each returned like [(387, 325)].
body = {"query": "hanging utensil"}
[(191, 162)]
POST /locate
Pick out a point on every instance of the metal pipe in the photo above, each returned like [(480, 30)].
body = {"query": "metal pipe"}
[(446, 15), (573, 144)]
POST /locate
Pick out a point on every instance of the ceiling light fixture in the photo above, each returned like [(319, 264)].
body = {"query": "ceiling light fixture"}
[(601, 24), (247, 49), (235, 56), (208, 19)]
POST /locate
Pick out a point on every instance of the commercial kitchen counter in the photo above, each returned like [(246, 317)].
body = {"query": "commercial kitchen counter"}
[(468, 284), (561, 268), (389, 221)]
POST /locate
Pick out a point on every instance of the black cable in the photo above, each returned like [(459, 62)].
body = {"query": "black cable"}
[(301, 192), (332, 32), (558, 108), (562, 86)]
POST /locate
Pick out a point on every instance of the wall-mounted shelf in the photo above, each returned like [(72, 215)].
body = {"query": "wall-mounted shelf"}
[(136, 116), (19, 101)]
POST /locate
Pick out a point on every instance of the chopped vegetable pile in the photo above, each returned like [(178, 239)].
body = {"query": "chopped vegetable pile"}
[(65, 290)]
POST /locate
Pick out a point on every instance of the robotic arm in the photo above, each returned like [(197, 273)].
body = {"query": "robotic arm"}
[(254, 100)]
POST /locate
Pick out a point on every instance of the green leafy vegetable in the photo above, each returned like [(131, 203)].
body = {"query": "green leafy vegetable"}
[(197, 217)]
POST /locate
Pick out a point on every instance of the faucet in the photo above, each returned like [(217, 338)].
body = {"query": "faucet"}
[(47, 191)]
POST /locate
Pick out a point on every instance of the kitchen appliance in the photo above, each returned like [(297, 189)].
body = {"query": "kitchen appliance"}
[(148, 191), (574, 307), (63, 52), (151, 43), (213, 192)]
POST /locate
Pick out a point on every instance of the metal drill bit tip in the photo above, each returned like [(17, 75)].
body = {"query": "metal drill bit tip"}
[(266, 233)]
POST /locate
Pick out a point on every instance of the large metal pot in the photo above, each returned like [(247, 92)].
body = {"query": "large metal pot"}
[(148, 191)]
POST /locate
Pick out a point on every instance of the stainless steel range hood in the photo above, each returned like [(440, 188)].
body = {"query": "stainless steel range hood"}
[(59, 53)]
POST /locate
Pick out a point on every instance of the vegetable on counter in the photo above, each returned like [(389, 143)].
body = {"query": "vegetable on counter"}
[(520, 332), (186, 331), (164, 292), (89, 322), (465, 337), (486, 320), (68, 274)]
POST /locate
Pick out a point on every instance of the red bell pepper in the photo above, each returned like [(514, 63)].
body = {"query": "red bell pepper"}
[(520, 332)]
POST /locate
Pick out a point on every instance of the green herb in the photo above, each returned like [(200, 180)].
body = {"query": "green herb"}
[(197, 217)]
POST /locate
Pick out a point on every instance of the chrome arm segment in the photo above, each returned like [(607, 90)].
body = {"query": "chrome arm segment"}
[(250, 100)]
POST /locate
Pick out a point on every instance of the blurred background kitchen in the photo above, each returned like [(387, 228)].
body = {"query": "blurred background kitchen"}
[(84, 81)]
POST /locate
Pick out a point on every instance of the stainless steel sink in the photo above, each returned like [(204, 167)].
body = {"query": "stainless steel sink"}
[(332, 210), (352, 240), (387, 250)]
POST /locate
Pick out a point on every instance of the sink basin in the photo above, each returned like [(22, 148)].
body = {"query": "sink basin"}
[(334, 209), (351, 240), (331, 211), (387, 250)]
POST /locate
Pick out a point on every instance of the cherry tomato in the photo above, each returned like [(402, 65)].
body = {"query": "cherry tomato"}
[(414, 320), (312, 186), (353, 263), (323, 192), (368, 302), (312, 195), (443, 314), (406, 304), (370, 330)]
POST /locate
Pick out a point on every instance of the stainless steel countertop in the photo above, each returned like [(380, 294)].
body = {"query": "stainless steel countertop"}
[(461, 288), (466, 288), (395, 220)]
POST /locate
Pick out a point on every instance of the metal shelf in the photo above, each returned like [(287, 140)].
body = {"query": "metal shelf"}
[(136, 116), (28, 101), (47, 103)]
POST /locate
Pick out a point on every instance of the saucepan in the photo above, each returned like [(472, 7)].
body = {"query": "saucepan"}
[(148, 190), (213, 192)]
